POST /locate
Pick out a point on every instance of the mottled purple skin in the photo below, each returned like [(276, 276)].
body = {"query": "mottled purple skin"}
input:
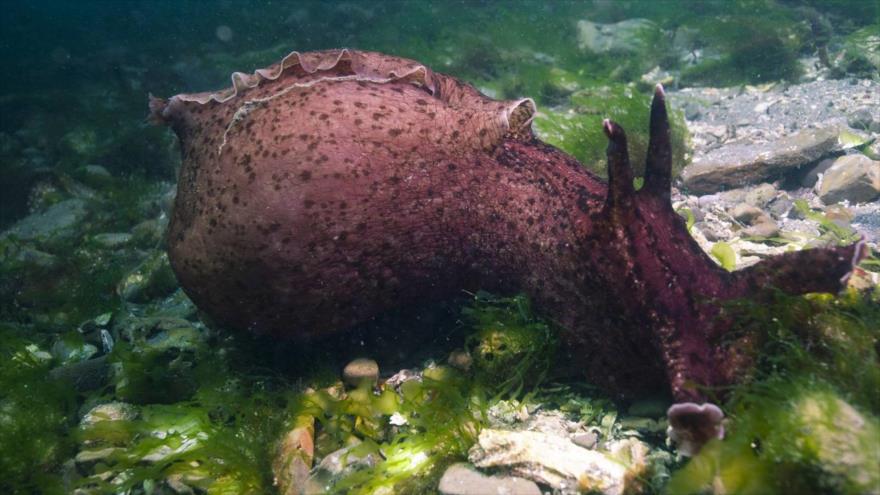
[(325, 190)]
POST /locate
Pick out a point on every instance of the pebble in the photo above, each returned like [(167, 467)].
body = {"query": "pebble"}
[(111, 240), (587, 440), (359, 371), (853, 178), (463, 479), (460, 359)]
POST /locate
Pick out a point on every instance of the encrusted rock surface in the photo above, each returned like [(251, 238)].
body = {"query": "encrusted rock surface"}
[(853, 178), (462, 479)]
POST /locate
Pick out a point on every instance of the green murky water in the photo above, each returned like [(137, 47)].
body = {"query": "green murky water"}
[(111, 381)]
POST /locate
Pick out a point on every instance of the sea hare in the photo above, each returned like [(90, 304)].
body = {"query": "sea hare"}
[(335, 185)]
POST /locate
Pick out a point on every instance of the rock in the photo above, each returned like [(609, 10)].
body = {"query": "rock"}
[(622, 37), (462, 479), (112, 240), (760, 195), (294, 456), (746, 213), (110, 411), (779, 207), (766, 227), (649, 408), (842, 441), (336, 466), (853, 178), (152, 279), (551, 460), (863, 119), (760, 224), (460, 359), (810, 179), (88, 457), (68, 351), (86, 375), (645, 426), (148, 234), (57, 221), (23, 254), (96, 170), (359, 371), (507, 412), (587, 440), (738, 164), (401, 377)]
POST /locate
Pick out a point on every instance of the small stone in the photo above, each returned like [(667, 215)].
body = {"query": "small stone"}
[(780, 206), (587, 440), (810, 179), (112, 240), (460, 359), (462, 479), (336, 466), (58, 221), (623, 37), (148, 234), (401, 377), (111, 411), (96, 170), (646, 426), (765, 227), (853, 178), (293, 458), (746, 213), (361, 370), (92, 456), (861, 119), (649, 408), (152, 279), (551, 460), (760, 195)]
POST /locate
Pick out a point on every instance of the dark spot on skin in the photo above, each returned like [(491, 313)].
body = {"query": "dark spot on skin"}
[(308, 203), (395, 132), (305, 175)]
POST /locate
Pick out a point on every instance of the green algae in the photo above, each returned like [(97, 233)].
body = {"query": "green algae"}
[(35, 416), (578, 130), (808, 422), (510, 346)]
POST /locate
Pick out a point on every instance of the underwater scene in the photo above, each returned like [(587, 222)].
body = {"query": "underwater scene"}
[(457, 247)]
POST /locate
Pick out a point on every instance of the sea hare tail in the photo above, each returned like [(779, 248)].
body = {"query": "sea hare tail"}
[(801, 272)]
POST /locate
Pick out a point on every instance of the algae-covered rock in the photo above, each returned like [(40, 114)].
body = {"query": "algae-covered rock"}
[(557, 462), (294, 455), (152, 279), (854, 178), (59, 221), (843, 442), (627, 36), (463, 479), (361, 371), (861, 52), (577, 128), (510, 346), (739, 164)]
